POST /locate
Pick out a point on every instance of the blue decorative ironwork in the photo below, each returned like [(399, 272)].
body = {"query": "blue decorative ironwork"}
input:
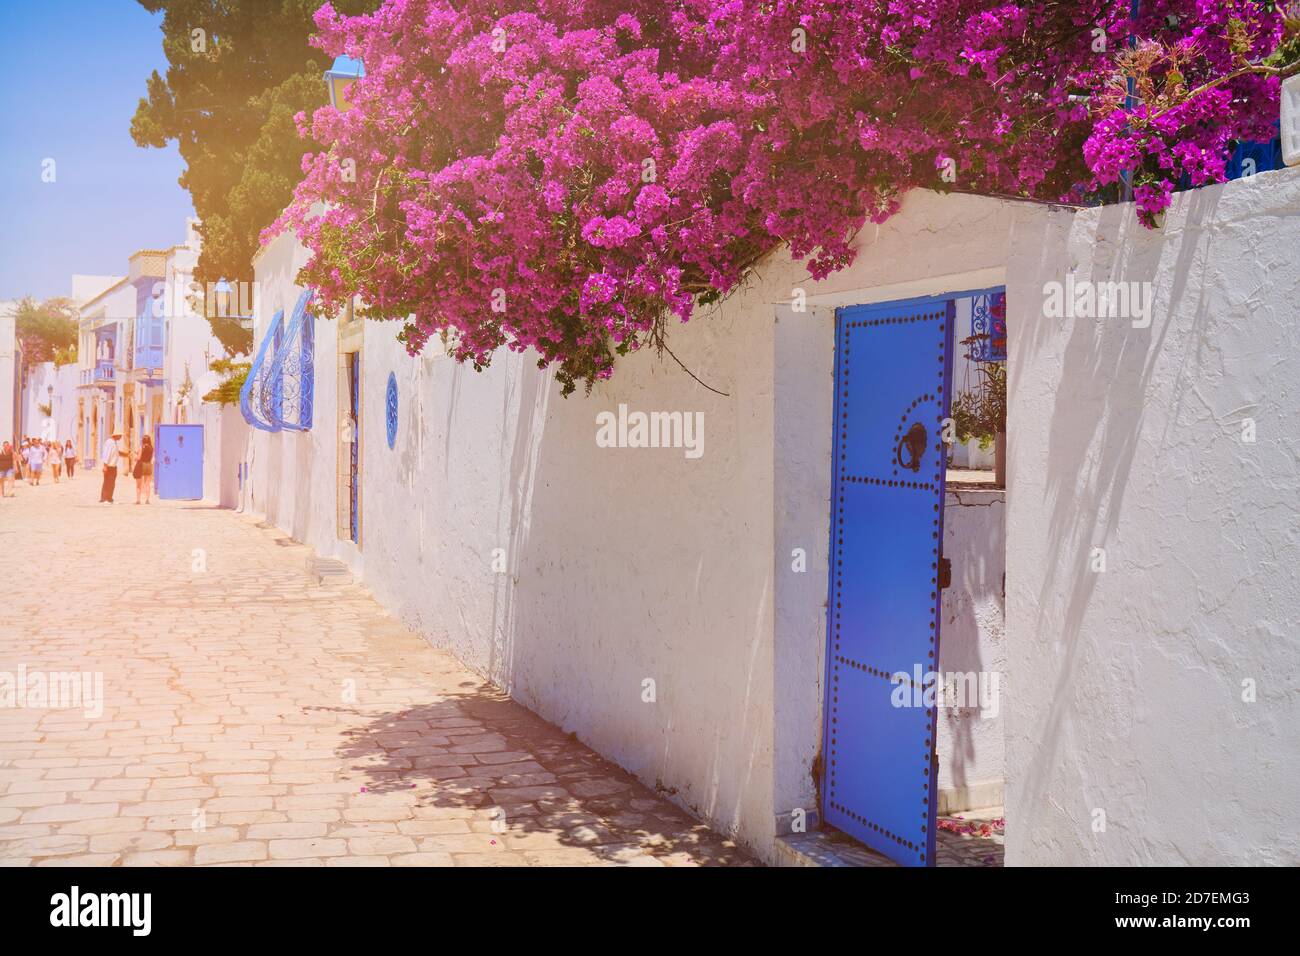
[(292, 375), (278, 393), (253, 393), (390, 409), (988, 327)]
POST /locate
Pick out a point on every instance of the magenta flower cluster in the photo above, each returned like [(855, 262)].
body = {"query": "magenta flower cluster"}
[(569, 176)]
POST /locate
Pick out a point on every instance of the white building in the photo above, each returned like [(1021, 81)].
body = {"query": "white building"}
[(144, 347), (104, 324), (50, 401), (672, 611), (10, 375)]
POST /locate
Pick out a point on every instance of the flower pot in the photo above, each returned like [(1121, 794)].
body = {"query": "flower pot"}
[(1000, 460), (1291, 120)]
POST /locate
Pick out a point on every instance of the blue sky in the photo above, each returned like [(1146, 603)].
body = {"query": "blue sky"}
[(74, 71)]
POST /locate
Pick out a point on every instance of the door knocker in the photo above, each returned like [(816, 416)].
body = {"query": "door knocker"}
[(914, 442)]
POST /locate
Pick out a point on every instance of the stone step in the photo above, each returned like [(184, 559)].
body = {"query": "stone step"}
[(328, 571)]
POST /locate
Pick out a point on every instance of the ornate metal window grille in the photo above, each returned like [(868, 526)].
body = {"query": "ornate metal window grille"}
[(278, 393), (253, 396), (988, 327), (390, 409), (292, 374)]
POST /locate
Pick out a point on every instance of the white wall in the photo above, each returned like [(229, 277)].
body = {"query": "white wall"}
[(622, 564), (291, 474), (10, 415), (63, 401), (1128, 684), (225, 442), (190, 344), (969, 741)]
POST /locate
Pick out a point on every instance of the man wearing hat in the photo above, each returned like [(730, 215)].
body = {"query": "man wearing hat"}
[(109, 457)]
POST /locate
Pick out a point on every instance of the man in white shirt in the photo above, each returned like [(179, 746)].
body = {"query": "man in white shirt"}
[(109, 457)]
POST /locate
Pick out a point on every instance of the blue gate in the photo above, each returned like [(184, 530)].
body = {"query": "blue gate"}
[(179, 462), (354, 468), (892, 384)]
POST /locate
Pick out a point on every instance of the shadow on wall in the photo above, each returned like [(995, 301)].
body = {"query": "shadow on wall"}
[(618, 568), (960, 653), (1090, 456)]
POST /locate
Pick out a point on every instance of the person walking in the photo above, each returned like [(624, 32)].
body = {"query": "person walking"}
[(56, 460), (143, 471), (7, 456), (69, 458), (110, 457), (36, 461)]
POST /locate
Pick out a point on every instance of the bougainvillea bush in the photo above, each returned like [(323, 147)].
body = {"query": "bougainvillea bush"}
[(573, 176)]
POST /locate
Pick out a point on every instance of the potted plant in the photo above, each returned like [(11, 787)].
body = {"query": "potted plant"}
[(981, 415)]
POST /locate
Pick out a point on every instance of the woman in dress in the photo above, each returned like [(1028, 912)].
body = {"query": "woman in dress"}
[(55, 458), (143, 470)]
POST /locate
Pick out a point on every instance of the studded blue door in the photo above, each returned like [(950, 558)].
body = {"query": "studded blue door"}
[(178, 462), (892, 373), (354, 470)]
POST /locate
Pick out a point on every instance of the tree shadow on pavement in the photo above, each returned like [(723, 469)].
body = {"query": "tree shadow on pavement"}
[(518, 784)]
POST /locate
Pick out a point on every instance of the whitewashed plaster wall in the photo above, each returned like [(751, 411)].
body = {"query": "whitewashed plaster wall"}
[(291, 479), (57, 387), (1128, 684), (622, 564), (225, 440), (190, 344), (10, 400), (969, 741)]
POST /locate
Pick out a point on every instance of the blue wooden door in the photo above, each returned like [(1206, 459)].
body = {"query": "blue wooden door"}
[(354, 468), (892, 375), (178, 468)]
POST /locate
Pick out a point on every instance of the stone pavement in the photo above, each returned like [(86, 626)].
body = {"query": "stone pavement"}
[(252, 717), (970, 838)]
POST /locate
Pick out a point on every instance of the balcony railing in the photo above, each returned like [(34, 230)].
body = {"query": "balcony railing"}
[(103, 371)]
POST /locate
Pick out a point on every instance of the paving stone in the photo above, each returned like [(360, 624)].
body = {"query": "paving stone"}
[(224, 705)]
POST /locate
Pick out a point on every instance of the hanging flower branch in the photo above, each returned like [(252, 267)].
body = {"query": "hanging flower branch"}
[(571, 176)]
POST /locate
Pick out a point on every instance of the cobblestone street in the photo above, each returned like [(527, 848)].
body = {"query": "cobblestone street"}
[(250, 716)]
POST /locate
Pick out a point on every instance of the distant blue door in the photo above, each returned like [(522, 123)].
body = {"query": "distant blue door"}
[(892, 381), (178, 472)]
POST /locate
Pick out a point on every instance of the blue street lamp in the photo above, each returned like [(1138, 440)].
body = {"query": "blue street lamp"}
[(339, 77)]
